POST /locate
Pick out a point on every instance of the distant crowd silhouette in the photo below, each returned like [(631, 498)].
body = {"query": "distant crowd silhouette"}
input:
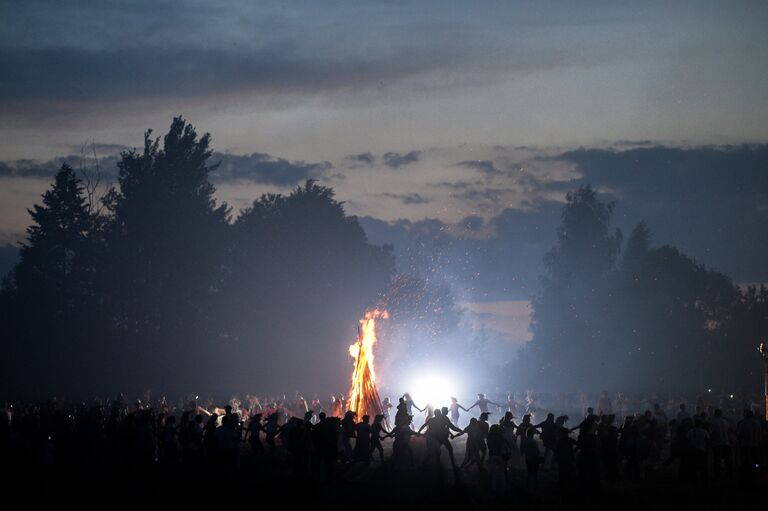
[(619, 439)]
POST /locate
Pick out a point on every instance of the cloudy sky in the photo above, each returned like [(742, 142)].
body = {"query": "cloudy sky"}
[(453, 125)]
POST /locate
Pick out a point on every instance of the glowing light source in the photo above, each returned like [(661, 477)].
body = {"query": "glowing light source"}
[(432, 388)]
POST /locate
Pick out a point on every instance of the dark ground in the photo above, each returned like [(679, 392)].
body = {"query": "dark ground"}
[(266, 480)]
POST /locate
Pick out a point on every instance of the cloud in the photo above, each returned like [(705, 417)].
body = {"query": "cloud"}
[(407, 198), (484, 166), (709, 201), (265, 169), (472, 223), (367, 159), (256, 167), (69, 74), (397, 160), (101, 149), (46, 169)]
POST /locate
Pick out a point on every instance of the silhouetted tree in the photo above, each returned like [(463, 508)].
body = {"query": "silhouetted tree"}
[(167, 255), (670, 313), (636, 250), (568, 343), (51, 291), (657, 320), (303, 273)]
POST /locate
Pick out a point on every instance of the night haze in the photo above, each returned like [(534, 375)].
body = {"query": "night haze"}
[(255, 212)]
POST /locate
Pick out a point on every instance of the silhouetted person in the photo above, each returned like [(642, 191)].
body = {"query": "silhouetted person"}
[(472, 447), (386, 406), (170, 443), (608, 443), (482, 433), (253, 434), (522, 429), (376, 435), (402, 416), (532, 455), (698, 446), (508, 427), (565, 457), (748, 438), (195, 452), (496, 461), (628, 447), (720, 437), (348, 429), (271, 429), (401, 448), (228, 445), (410, 405), (548, 434), (482, 403), (362, 451), (589, 464), (326, 433), (454, 409), (438, 433)]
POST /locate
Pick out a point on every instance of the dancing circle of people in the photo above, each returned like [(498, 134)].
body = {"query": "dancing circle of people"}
[(314, 436)]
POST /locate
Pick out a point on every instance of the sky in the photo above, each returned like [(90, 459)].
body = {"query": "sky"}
[(453, 125)]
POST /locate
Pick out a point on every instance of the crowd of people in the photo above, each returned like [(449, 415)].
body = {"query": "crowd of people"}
[(611, 440)]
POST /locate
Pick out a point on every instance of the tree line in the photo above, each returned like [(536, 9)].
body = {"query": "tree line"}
[(156, 285), (162, 288), (637, 317)]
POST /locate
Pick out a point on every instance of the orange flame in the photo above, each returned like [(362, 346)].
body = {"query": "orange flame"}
[(363, 394)]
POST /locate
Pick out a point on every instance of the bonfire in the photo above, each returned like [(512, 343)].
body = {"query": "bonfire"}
[(363, 394)]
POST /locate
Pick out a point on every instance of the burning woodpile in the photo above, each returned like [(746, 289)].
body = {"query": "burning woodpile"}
[(363, 394)]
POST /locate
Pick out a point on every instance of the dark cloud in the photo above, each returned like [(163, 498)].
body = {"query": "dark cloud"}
[(257, 167), (70, 74), (457, 185), (266, 169), (472, 223), (362, 158), (100, 149), (711, 202), (484, 166), (407, 198), (708, 201), (485, 194), (36, 169), (634, 143), (396, 160)]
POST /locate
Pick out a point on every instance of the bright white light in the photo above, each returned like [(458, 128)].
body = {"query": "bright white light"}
[(433, 389), (709, 390)]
